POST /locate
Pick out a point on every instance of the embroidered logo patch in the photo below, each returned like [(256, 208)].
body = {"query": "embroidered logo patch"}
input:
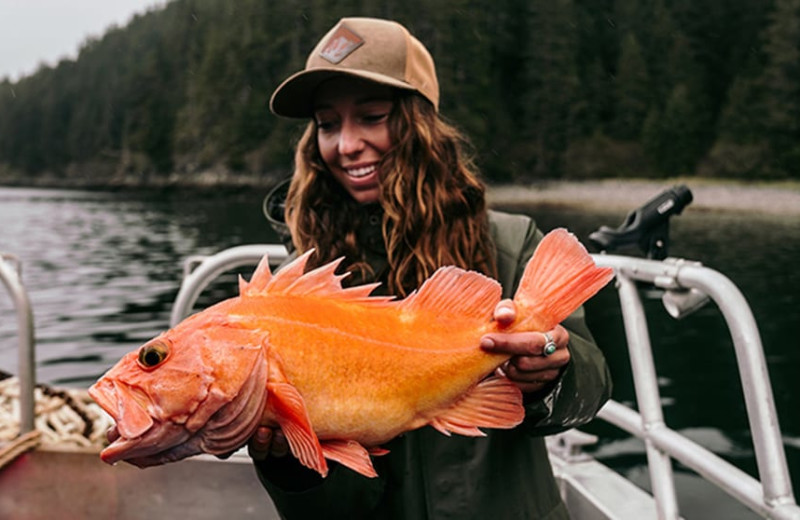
[(341, 44)]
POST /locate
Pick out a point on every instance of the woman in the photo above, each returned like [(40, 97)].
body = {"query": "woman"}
[(381, 179)]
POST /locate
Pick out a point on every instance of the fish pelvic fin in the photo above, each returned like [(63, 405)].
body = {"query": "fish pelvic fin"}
[(351, 454), (495, 402), (558, 279), (452, 291), (285, 406)]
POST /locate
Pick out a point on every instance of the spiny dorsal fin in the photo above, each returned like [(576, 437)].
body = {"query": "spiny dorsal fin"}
[(260, 279), (288, 274), (321, 282), (452, 291)]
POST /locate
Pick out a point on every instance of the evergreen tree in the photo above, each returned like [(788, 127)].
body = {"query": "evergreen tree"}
[(550, 82), (781, 84), (632, 89)]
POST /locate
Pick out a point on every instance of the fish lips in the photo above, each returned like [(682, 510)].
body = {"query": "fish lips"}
[(136, 438), (148, 450)]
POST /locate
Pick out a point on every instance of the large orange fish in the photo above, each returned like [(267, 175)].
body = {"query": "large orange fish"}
[(338, 370)]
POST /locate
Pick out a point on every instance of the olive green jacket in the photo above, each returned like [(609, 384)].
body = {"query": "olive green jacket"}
[(427, 475)]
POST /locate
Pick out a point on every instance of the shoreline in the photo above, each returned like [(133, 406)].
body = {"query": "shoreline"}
[(625, 194), (718, 195)]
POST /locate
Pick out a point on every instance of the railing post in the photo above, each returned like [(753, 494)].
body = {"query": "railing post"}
[(647, 396), (10, 275)]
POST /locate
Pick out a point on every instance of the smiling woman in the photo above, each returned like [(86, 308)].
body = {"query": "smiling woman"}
[(352, 119), (384, 181)]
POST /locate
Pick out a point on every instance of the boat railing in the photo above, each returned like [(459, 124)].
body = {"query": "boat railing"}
[(686, 286), (27, 437), (11, 276)]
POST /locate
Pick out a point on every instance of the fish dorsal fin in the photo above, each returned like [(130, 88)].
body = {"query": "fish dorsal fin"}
[(495, 402), (292, 279), (260, 279), (452, 291), (288, 274)]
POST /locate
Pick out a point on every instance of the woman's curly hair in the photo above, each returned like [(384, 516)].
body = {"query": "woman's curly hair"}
[(434, 203)]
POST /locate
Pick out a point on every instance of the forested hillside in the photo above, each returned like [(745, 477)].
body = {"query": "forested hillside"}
[(545, 89)]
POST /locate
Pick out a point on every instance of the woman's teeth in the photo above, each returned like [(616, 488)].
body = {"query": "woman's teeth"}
[(360, 172)]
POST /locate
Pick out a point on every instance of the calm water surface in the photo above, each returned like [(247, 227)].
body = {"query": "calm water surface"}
[(102, 270)]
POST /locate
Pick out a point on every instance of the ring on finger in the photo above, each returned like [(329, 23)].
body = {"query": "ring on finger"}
[(549, 346)]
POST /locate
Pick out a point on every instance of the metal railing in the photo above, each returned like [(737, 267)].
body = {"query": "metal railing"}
[(687, 285), (10, 274), (199, 271)]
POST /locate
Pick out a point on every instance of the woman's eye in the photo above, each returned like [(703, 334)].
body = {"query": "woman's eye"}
[(375, 118)]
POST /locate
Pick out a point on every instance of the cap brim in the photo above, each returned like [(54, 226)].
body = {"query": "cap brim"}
[(295, 96)]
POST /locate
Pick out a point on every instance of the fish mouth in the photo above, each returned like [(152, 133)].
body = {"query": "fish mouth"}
[(136, 437), (145, 451)]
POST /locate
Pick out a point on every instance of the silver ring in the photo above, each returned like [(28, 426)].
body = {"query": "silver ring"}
[(550, 346)]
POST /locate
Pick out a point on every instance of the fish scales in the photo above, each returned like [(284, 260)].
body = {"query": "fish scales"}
[(376, 389)]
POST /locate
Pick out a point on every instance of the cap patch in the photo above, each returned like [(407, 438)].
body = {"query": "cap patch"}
[(341, 44)]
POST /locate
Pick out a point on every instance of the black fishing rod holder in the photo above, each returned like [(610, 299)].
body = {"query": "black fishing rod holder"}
[(646, 226)]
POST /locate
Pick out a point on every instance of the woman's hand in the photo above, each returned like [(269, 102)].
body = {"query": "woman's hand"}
[(529, 367), (267, 442)]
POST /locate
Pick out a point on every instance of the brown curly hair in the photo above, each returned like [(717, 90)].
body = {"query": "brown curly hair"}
[(434, 205)]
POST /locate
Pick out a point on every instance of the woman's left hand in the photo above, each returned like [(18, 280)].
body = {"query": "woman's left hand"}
[(530, 367)]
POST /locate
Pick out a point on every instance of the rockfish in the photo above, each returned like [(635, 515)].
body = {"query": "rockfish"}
[(338, 370)]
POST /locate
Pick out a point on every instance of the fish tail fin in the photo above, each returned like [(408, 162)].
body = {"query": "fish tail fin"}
[(558, 279)]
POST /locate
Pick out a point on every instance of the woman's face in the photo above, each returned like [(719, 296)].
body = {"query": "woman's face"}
[(352, 117)]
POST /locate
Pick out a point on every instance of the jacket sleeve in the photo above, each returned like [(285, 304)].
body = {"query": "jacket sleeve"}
[(585, 383)]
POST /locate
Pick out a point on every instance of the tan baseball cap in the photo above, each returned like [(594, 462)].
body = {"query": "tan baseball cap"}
[(379, 50)]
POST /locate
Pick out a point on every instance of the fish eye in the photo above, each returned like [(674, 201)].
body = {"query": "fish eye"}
[(153, 354)]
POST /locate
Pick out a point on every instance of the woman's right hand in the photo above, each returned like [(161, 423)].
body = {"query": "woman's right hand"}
[(267, 442)]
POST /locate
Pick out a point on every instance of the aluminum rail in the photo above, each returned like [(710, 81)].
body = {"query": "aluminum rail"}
[(772, 497), (11, 277), (199, 271)]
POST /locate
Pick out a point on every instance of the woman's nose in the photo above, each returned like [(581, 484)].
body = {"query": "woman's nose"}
[(350, 139)]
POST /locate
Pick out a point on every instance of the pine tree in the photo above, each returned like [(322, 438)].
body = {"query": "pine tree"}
[(781, 84), (632, 89)]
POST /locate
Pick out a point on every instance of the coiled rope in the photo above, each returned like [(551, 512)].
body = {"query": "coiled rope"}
[(64, 418)]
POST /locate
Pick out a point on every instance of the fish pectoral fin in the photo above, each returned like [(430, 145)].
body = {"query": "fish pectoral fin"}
[(350, 454), (495, 402), (288, 409)]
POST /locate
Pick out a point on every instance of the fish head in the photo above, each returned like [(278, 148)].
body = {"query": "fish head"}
[(193, 389)]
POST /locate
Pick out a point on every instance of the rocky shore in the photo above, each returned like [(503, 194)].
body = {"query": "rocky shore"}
[(772, 198), (765, 198)]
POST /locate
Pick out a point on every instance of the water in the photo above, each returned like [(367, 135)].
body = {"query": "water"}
[(102, 270)]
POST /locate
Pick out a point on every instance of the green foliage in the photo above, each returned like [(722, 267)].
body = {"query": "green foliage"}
[(557, 88)]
